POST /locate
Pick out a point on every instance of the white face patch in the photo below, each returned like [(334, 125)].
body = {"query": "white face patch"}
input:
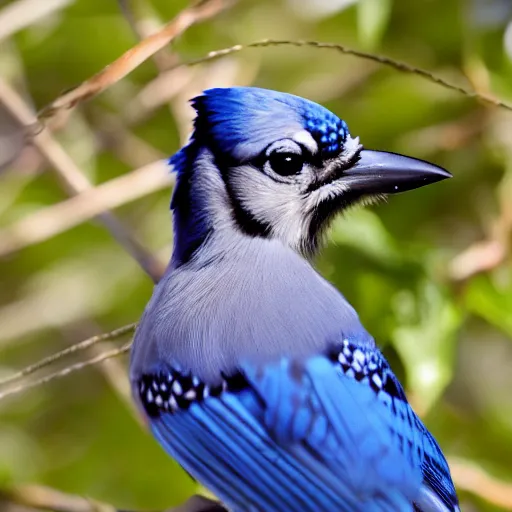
[(279, 205), (283, 203), (326, 192)]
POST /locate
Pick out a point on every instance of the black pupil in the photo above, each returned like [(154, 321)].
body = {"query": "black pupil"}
[(285, 164)]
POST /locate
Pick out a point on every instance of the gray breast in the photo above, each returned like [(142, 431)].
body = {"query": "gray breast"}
[(256, 301)]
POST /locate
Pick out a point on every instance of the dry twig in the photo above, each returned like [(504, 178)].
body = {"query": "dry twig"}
[(481, 256), (381, 59), (487, 254), (127, 12), (45, 498), (143, 28), (82, 345), (146, 48), (90, 203), (66, 371), (72, 179), (135, 56)]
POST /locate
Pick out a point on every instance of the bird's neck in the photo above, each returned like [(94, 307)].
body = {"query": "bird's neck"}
[(248, 298), (200, 206)]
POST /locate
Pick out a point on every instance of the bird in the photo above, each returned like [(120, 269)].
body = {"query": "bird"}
[(253, 371)]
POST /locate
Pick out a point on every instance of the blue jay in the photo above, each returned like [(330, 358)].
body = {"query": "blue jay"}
[(253, 371)]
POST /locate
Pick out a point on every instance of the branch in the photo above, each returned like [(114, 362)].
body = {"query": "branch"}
[(45, 498), (82, 345), (93, 202), (381, 59), (66, 371), (72, 178), (135, 56), (146, 48), (143, 28), (487, 254), (481, 256)]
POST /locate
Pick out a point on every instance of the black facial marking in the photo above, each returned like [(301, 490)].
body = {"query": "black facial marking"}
[(323, 212), (336, 173), (326, 209), (244, 219)]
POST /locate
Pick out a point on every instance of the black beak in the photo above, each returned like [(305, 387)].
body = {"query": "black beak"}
[(379, 172)]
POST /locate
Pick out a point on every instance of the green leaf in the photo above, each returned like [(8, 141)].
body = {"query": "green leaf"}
[(492, 301), (425, 340)]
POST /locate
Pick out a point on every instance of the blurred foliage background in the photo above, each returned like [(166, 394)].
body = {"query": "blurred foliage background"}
[(429, 271)]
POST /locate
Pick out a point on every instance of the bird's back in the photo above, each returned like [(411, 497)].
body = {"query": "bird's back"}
[(232, 361), (257, 301)]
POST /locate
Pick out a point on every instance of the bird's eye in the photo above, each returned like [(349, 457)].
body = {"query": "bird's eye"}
[(285, 164)]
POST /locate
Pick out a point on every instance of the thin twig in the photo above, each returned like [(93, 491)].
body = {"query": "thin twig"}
[(143, 28), (91, 203), (114, 370), (381, 59), (82, 345), (45, 498), (146, 48), (66, 371), (72, 178), (135, 56)]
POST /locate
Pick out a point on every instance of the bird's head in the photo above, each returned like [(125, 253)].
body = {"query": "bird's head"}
[(288, 165)]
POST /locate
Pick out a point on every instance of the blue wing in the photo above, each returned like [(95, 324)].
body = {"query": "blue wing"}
[(328, 433)]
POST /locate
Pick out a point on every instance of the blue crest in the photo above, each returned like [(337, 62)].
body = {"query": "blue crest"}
[(240, 122)]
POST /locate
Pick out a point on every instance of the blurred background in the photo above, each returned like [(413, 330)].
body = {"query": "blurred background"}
[(429, 271)]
